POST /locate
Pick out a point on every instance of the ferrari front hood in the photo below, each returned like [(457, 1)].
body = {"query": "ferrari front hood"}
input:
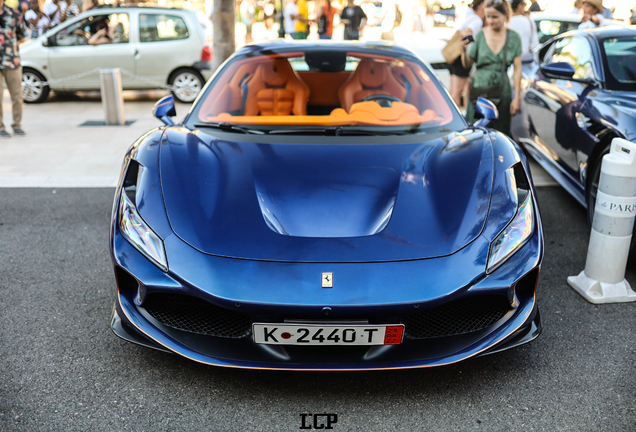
[(323, 202)]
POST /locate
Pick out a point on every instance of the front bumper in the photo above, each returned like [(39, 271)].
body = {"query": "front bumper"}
[(380, 292)]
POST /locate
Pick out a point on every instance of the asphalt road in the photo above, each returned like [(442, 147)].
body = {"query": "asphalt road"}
[(63, 369)]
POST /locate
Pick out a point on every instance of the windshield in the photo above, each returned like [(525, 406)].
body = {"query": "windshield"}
[(326, 90), (620, 63)]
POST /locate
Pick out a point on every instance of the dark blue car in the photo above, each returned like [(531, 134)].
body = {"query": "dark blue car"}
[(325, 206), (581, 96)]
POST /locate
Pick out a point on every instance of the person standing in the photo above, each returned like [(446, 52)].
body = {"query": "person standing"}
[(290, 12), (71, 10), (302, 20), (592, 14), (247, 12), (36, 20), (522, 24), (459, 74), (494, 50), (270, 14), (388, 20), (325, 16), (354, 19), (54, 10), (13, 31)]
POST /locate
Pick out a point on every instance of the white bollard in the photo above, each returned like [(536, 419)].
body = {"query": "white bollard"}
[(112, 96), (603, 280)]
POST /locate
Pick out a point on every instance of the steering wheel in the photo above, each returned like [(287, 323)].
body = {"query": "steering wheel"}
[(385, 101)]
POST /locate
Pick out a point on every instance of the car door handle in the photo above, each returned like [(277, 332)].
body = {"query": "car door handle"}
[(136, 53)]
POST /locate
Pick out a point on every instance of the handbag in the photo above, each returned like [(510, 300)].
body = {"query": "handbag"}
[(453, 48), (492, 93)]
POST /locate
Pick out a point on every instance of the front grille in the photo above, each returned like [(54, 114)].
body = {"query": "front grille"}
[(194, 315), (456, 317)]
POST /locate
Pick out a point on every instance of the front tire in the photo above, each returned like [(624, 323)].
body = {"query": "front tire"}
[(33, 88), (187, 84)]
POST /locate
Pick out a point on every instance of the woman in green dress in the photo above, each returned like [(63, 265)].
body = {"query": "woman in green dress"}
[(488, 65)]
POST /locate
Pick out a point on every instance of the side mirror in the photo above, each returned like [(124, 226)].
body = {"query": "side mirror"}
[(486, 112), (560, 70), (164, 109)]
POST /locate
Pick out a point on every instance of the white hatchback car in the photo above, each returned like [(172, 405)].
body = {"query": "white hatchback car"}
[(430, 51), (152, 47)]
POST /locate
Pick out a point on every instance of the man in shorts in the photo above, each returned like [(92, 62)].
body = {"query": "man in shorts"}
[(354, 20)]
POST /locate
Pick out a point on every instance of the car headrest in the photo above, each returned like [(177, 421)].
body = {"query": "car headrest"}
[(276, 73), (372, 74)]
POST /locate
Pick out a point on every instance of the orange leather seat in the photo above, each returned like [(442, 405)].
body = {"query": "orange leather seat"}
[(276, 90), (230, 99), (369, 78)]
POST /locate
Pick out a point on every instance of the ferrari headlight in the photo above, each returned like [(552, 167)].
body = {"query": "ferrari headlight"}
[(515, 235), (140, 235)]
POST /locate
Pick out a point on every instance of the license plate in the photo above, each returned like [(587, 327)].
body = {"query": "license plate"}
[(338, 334)]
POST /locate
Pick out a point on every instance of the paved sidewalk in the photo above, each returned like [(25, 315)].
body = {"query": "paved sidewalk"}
[(58, 152)]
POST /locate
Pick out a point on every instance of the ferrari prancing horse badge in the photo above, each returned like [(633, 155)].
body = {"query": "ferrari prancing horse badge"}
[(327, 280)]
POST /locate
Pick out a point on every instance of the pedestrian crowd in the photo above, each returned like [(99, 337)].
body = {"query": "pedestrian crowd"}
[(39, 17), (493, 36), (486, 27), (21, 20), (298, 17)]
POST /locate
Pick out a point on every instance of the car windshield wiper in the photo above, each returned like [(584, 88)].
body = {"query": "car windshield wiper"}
[(354, 131), (335, 131), (229, 127), (321, 131)]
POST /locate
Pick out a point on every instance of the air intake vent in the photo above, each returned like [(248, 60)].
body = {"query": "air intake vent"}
[(194, 315), (456, 317)]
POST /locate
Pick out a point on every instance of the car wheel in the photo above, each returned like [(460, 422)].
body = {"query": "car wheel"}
[(186, 83), (592, 188), (34, 89)]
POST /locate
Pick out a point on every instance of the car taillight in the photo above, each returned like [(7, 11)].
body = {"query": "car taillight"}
[(206, 54)]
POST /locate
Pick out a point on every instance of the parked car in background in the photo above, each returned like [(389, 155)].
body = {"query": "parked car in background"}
[(430, 50), (550, 25), (444, 14), (158, 46), (582, 95), (325, 207)]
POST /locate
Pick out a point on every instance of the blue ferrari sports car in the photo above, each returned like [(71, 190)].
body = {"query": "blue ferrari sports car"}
[(581, 96), (325, 206)]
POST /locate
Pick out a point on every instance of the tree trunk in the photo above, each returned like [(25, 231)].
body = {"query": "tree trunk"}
[(223, 20)]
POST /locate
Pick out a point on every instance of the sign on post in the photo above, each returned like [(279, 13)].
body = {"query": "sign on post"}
[(603, 280)]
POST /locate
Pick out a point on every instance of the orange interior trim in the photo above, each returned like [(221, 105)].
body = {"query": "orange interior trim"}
[(324, 86), (362, 113)]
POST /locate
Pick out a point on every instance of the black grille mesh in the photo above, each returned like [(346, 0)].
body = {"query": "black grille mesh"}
[(194, 315), (456, 317)]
